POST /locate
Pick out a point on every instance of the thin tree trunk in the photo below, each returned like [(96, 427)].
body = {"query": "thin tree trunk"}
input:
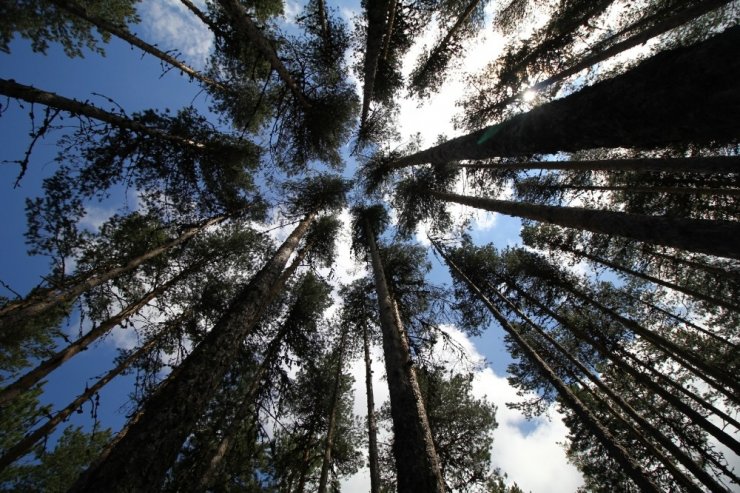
[(227, 442), (33, 376), (26, 444), (33, 306), (246, 27), (711, 164), (203, 17), (592, 423), (372, 425), (124, 34), (641, 275), (685, 95), (639, 377), (323, 20), (141, 459), (388, 31), (734, 192), (417, 464), (595, 57), (718, 238), (442, 44), (30, 94), (335, 397), (733, 275), (377, 10), (627, 408)]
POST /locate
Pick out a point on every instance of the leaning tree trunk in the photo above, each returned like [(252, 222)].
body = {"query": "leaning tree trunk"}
[(640, 377), (30, 94), (377, 11), (33, 376), (733, 192), (244, 25), (709, 164), (331, 431), (203, 18), (227, 442), (712, 237), (589, 60), (685, 95), (590, 421), (677, 453), (417, 464), (372, 425), (35, 305), (141, 459), (24, 446), (121, 32)]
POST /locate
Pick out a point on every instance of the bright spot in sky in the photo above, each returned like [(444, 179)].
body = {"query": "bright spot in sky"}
[(529, 95)]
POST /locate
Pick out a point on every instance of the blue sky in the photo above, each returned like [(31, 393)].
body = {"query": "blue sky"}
[(136, 82)]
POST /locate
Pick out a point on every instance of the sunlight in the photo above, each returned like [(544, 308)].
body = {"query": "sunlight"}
[(529, 95)]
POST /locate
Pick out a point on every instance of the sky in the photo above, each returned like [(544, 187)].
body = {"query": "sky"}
[(528, 452)]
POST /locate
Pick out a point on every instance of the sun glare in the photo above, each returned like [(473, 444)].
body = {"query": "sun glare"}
[(529, 95)]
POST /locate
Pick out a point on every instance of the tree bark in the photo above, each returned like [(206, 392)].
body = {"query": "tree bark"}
[(35, 375), (688, 94), (712, 164), (30, 94), (203, 17), (718, 238), (24, 446), (372, 425), (124, 34), (617, 451), (33, 306), (733, 192), (141, 459), (417, 464), (329, 445), (247, 28), (377, 10), (659, 28)]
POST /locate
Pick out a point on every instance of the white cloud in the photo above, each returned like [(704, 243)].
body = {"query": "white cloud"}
[(170, 24)]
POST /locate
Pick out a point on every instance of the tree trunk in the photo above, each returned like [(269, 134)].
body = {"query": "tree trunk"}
[(141, 459), (417, 464), (711, 164), (329, 445), (388, 30), (718, 238), (377, 10), (247, 28), (24, 446), (639, 376), (685, 95), (372, 425), (733, 192), (35, 375), (29, 94), (591, 422), (627, 408), (595, 57), (124, 34), (203, 17), (620, 268), (33, 305)]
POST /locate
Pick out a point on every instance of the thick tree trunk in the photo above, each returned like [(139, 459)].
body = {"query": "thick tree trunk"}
[(641, 275), (35, 375), (35, 305), (639, 376), (124, 34), (26, 444), (591, 422), (718, 238), (377, 10), (684, 95), (247, 28), (141, 459), (372, 425), (678, 475), (393, 5), (712, 164), (417, 465), (30, 94), (335, 396), (595, 57)]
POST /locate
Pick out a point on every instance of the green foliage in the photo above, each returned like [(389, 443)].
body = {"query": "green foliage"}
[(42, 22), (417, 205)]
